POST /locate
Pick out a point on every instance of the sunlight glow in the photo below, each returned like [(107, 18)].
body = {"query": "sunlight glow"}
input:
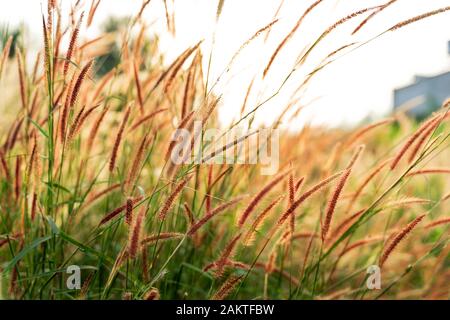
[(358, 85)]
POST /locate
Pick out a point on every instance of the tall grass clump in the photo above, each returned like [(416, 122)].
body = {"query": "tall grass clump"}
[(87, 178)]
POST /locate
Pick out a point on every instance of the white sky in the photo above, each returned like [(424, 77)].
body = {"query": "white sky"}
[(356, 86)]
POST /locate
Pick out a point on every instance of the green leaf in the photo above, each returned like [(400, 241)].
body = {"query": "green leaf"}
[(24, 252), (58, 186), (39, 127), (200, 271), (53, 226), (83, 248)]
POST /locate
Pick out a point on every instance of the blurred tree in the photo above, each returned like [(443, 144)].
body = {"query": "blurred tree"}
[(110, 60), (5, 33), (115, 24)]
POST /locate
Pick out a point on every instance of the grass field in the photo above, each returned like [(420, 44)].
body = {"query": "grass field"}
[(86, 179)]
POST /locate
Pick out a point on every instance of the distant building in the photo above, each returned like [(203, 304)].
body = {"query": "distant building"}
[(430, 92)]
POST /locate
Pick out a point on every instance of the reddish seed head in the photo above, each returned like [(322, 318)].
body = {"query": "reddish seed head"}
[(226, 255), (227, 287), (398, 238), (77, 87), (135, 234), (212, 214), (129, 211), (259, 196), (153, 294), (337, 192), (305, 196), (112, 162), (169, 202), (163, 236), (118, 210), (72, 44), (411, 141)]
